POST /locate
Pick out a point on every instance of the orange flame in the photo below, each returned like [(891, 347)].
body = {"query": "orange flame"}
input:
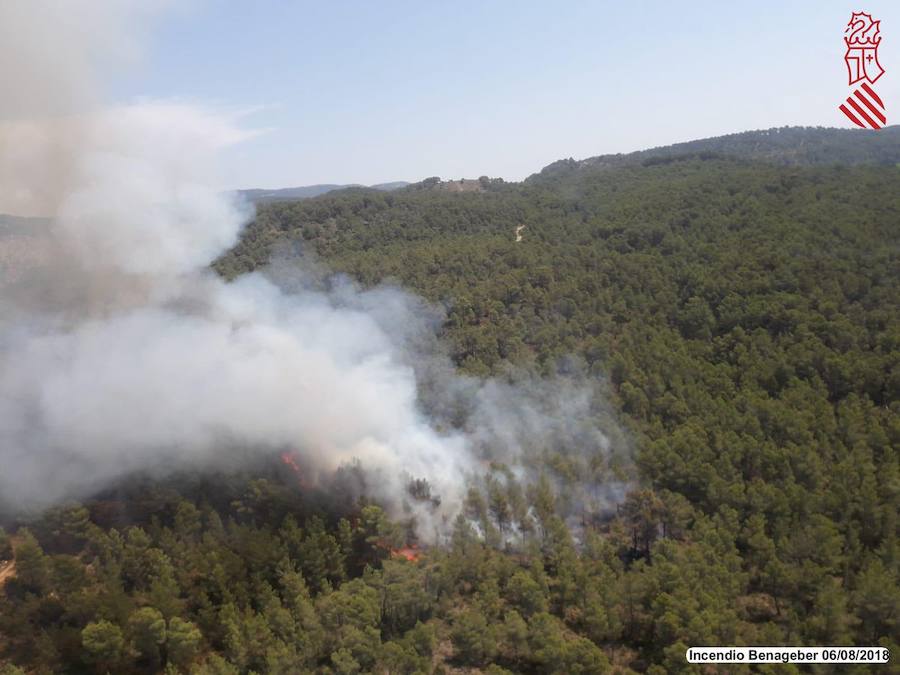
[(289, 459), (412, 553)]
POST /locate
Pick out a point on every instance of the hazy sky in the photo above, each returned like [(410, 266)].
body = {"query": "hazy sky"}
[(377, 91)]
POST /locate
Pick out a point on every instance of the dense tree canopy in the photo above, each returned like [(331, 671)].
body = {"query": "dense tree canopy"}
[(746, 317)]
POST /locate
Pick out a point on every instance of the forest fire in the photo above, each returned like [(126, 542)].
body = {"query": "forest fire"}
[(290, 460), (412, 553)]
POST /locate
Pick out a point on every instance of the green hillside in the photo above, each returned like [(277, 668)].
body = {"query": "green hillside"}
[(745, 317), (785, 146)]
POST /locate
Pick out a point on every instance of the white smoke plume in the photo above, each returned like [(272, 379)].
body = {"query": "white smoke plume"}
[(124, 352), (152, 360)]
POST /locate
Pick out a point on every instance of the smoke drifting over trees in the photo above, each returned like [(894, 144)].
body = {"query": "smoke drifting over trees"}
[(123, 352)]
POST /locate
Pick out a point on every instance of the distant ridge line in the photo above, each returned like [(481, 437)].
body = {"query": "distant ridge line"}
[(779, 145), (309, 191)]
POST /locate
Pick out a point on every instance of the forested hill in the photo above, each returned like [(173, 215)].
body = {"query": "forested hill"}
[(748, 317), (784, 145), (745, 316)]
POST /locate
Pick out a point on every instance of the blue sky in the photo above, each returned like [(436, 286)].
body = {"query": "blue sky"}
[(377, 91)]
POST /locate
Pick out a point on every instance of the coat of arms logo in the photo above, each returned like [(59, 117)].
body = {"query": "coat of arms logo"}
[(862, 37)]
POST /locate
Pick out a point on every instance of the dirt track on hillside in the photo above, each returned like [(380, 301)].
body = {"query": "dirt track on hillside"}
[(7, 571)]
